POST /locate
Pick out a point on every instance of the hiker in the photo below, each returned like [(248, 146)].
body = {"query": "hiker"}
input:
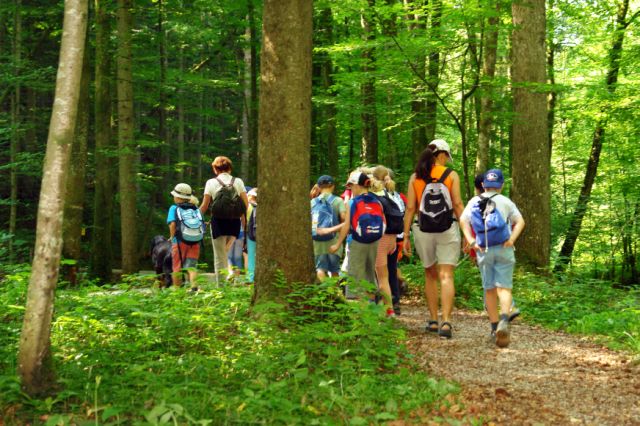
[(394, 208), (497, 224), (252, 196), (186, 231), (434, 196), (227, 197), (366, 225), (328, 213)]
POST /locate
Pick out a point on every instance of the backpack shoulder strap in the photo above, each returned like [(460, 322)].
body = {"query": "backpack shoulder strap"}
[(224, 184), (445, 175)]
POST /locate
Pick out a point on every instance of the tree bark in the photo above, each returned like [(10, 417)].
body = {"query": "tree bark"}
[(485, 128), (596, 143), (249, 112), (369, 118), (417, 26), (101, 237), (284, 133), (329, 107), (433, 77), (126, 142), (15, 126), (34, 351), (75, 183), (530, 159)]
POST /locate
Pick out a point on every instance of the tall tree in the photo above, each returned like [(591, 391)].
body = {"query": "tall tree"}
[(615, 53), (126, 142), (15, 125), (250, 93), (368, 89), (433, 72), (330, 110), (74, 193), (284, 134), (101, 246), (34, 352), (530, 147), (490, 49), (417, 26)]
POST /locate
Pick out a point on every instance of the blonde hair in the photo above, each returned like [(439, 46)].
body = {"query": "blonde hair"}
[(383, 175)]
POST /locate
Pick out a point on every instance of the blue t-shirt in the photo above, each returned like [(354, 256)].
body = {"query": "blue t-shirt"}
[(171, 217)]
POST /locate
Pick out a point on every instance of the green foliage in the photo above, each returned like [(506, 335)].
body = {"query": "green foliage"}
[(128, 355), (577, 305)]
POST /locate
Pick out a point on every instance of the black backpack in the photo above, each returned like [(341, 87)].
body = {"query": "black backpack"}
[(227, 204), (436, 208), (251, 225), (392, 214)]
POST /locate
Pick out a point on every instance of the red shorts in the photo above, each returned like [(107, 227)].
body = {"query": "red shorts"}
[(190, 254)]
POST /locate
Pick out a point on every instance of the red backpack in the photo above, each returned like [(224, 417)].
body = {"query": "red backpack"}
[(367, 219)]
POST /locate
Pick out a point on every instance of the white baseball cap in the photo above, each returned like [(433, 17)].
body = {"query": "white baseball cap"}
[(441, 145)]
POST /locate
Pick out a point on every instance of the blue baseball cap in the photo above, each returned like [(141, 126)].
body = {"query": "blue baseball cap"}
[(493, 179), (325, 180)]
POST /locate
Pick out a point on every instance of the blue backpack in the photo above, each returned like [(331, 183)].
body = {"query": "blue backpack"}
[(189, 224), (367, 219), (323, 216), (487, 222)]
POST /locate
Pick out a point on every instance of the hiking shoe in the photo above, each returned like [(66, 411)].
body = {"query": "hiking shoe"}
[(502, 334), (194, 289), (515, 313), (396, 308)]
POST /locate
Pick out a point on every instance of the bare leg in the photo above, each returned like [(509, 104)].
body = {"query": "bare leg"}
[(431, 291), (491, 300), (504, 294), (321, 274), (382, 273), (447, 289)]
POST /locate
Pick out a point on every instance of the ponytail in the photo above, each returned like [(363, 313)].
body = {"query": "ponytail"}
[(425, 164)]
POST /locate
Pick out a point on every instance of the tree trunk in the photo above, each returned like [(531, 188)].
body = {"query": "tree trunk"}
[(330, 110), (101, 238), (369, 118), (74, 192), (551, 51), (284, 133), (485, 128), (15, 126), (34, 352), (530, 160), (181, 138), (417, 26), (126, 142), (431, 111), (596, 144), (249, 112)]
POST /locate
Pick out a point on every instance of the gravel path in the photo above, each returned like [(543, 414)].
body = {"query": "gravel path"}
[(543, 377)]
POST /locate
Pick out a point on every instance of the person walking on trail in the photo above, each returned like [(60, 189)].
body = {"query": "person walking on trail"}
[(328, 213), (387, 257), (366, 225), (186, 231), (434, 196), (252, 195), (497, 224), (227, 197)]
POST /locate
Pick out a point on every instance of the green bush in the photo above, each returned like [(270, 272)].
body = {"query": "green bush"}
[(131, 356)]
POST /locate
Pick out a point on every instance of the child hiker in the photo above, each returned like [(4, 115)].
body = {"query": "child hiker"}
[(497, 224)]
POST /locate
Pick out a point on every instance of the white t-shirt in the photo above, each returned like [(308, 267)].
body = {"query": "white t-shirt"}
[(213, 186), (505, 206)]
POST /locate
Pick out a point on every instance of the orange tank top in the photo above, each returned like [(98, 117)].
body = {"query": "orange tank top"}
[(436, 172)]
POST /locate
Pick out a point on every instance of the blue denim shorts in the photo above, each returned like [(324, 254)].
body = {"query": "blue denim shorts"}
[(496, 267), (328, 262)]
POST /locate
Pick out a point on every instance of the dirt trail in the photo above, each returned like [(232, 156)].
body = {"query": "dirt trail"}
[(543, 377)]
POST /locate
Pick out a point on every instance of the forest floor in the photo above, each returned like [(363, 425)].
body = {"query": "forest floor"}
[(543, 377)]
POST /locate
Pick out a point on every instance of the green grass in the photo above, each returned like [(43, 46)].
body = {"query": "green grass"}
[(576, 305), (173, 358)]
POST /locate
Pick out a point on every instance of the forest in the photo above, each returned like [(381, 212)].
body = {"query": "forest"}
[(101, 119)]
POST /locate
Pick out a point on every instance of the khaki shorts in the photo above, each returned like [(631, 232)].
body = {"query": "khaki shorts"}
[(442, 248)]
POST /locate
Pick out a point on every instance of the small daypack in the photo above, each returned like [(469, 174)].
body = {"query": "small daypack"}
[(226, 203), (323, 216), (251, 224), (392, 214), (189, 224), (487, 222), (436, 208), (367, 219)]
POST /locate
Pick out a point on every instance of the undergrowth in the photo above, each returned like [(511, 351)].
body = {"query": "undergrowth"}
[(576, 305), (127, 356)]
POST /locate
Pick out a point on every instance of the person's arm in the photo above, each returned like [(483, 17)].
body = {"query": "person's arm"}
[(331, 230), (518, 226), (206, 200), (408, 216), (172, 230), (344, 231), (469, 238), (243, 218), (456, 198)]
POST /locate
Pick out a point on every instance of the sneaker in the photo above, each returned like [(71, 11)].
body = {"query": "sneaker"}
[(396, 308), (502, 334), (515, 313), (390, 313)]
